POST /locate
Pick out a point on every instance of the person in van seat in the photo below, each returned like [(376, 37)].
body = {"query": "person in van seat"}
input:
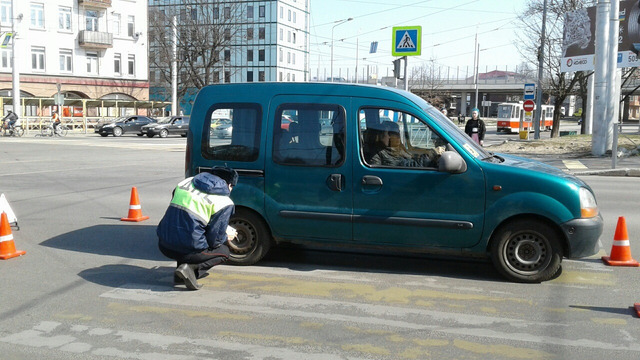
[(195, 228), (475, 127), (395, 153)]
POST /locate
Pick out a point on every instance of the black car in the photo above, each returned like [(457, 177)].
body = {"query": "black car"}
[(123, 125), (170, 125)]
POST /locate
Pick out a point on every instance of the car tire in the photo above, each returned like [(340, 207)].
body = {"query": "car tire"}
[(150, 135), (104, 135), (117, 131), (526, 251), (164, 133), (253, 241), (139, 134)]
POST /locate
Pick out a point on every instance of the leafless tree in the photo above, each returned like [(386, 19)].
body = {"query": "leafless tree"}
[(206, 32), (557, 84), (427, 81)]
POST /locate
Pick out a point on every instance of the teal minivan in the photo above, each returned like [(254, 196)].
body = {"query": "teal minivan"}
[(375, 168)]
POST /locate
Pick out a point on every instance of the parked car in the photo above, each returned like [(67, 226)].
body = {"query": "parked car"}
[(440, 194), (123, 125), (224, 129), (215, 123), (170, 125)]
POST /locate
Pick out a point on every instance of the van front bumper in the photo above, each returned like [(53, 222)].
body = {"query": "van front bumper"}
[(583, 236)]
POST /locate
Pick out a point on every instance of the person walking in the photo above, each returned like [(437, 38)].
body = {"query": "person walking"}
[(475, 127), (195, 229)]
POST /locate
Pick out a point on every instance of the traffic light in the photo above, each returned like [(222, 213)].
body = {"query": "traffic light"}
[(396, 68)]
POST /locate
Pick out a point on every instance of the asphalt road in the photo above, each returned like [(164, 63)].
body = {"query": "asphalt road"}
[(93, 287)]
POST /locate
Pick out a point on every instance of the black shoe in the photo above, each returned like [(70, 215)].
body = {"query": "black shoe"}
[(177, 280), (185, 272)]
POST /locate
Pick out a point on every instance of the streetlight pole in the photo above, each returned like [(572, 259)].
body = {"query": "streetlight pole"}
[(17, 109), (339, 22)]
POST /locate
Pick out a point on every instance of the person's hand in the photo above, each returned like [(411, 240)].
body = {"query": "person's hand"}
[(231, 233)]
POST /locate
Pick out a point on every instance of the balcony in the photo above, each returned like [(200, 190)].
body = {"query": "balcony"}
[(97, 4), (95, 39)]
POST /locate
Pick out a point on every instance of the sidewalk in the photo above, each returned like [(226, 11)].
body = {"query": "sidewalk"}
[(600, 166)]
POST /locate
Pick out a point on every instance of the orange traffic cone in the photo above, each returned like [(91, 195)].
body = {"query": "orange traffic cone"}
[(135, 209), (637, 307), (7, 247), (620, 251)]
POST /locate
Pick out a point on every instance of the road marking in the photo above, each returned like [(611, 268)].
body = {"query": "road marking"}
[(80, 339), (574, 165)]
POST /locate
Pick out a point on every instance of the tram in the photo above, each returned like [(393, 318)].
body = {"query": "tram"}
[(510, 114)]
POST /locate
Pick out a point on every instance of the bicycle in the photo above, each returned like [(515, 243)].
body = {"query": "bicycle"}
[(61, 130), (15, 130)]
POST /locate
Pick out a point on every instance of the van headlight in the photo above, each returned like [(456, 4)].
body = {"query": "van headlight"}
[(588, 206)]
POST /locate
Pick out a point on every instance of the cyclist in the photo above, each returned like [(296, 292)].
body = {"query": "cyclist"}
[(56, 121), (13, 120)]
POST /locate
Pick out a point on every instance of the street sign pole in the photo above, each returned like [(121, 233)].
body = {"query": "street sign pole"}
[(406, 78), (15, 62), (536, 120)]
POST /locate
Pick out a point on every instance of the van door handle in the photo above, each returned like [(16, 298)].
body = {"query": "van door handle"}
[(334, 181), (371, 180)]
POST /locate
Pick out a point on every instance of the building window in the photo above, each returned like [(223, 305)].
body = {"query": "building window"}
[(117, 64), (281, 34), (5, 59), (261, 55), (227, 55), (194, 14), (261, 10), (260, 75), (293, 58), (227, 34), (91, 18), (288, 36), (294, 38), (92, 63), (288, 57), (37, 16), (250, 33), (216, 13), (288, 77), (227, 13), (66, 60), (280, 57), (289, 15), (5, 12), (131, 27), (280, 76), (131, 65), (261, 33), (281, 12), (37, 58), (216, 77), (293, 76), (64, 18), (249, 12), (227, 76), (249, 55), (116, 24), (249, 76), (294, 16)]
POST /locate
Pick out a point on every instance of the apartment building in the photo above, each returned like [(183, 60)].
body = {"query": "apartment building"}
[(92, 49), (264, 40)]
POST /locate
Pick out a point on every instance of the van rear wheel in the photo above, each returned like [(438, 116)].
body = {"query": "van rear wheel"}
[(526, 251), (253, 241)]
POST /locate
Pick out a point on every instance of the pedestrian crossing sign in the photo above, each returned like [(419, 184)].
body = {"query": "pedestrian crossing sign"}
[(5, 39), (407, 40)]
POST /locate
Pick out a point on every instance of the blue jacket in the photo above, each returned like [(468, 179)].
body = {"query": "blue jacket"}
[(184, 227)]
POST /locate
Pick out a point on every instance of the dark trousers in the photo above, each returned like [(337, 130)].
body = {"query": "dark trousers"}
[(205, 260)]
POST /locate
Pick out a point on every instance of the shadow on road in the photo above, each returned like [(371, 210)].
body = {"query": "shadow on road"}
[(306, 259), (133, 241), (118, 275)]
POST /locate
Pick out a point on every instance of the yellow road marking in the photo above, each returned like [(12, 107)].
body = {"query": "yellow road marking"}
[(574, 165), (585, 278), (502, 350)]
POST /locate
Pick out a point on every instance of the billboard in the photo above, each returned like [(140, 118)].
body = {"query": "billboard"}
[(578, 49)]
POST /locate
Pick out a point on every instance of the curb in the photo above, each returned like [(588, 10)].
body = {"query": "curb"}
[(634, 172)]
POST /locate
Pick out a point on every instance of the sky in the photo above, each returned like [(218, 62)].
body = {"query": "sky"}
[(449, 29)]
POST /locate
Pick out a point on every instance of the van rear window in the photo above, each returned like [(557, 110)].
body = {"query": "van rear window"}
[(233, 132)]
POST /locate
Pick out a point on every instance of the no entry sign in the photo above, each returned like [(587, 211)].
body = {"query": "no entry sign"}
[(528, 105)]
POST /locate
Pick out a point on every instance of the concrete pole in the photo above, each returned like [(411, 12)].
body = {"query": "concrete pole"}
[(538, 113), (174, 68), (588, 107), (15, 63), (613, 91), (598, 140), (357, 40), (475, 69), (406, 78)]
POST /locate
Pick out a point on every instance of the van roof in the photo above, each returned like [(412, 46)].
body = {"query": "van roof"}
[(244, 91)]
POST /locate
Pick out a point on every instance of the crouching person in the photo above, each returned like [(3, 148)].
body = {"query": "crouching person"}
[(195, 228)]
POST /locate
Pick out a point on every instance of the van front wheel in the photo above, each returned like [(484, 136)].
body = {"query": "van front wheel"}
[(526, 251), (253, 240)]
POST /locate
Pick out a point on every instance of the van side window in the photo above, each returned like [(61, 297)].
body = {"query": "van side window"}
[(391, 138), (309, 134), (234, 132)]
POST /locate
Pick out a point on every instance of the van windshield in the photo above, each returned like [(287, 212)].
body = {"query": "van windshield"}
[(457, 133)]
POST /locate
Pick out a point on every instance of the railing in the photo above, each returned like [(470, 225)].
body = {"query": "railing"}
[(95, 39), (78, 126)]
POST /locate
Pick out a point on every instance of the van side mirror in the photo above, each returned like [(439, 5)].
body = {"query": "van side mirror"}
[(451, 162)]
